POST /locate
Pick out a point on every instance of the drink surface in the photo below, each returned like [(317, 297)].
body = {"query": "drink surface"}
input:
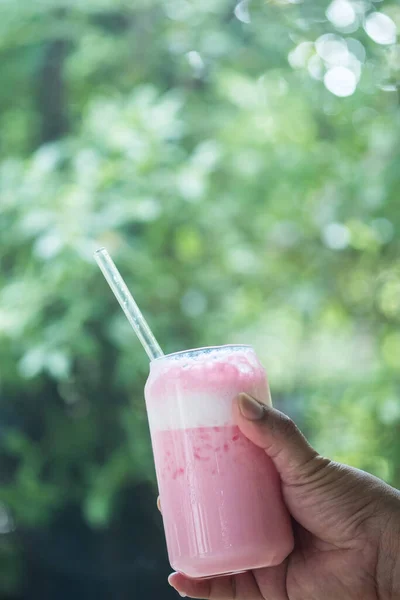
[(220, 494)]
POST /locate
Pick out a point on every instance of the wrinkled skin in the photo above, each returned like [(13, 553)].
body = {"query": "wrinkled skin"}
[(346, 525)]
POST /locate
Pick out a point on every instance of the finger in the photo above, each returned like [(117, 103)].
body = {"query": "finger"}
[(190, 587), (294, 458), (272, 581), (241, 586), (159, 504), (246, 587)]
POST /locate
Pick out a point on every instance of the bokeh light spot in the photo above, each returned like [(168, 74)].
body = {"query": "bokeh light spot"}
[(340, 81), (380, 28), (341, 13), (336, 236), (242, 11)]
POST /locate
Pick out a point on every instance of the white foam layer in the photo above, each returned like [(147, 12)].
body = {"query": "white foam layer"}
[(196, 410), (189, 410)]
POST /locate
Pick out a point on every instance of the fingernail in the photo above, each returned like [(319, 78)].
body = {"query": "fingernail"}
[(182, 594), (250, 408)]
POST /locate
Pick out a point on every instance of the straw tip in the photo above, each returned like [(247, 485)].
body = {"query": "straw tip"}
[(100, 251)]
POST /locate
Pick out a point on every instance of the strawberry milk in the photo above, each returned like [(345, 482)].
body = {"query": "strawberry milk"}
[(220, 494)]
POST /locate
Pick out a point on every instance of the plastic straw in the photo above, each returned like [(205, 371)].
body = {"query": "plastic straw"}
[(128, 305)]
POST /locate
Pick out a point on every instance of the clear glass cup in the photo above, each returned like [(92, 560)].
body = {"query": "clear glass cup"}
[(220, 495)]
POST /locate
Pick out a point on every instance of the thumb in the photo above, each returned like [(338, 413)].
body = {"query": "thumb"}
[(295, 460), (330, 500)]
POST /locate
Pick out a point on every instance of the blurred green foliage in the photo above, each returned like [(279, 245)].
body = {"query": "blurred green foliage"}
[(242, 165)]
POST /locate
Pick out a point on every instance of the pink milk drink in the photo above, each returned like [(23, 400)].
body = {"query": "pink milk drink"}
[(220, 495)]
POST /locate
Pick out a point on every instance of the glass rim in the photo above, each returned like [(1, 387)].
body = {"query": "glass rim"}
[(192, 351)]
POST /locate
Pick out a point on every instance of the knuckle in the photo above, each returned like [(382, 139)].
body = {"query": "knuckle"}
[(286, 427)]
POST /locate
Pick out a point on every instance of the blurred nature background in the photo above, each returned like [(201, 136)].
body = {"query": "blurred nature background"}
[(241, 163)]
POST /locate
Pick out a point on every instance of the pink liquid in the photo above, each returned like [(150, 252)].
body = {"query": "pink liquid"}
[(221, 502), (220, 495)]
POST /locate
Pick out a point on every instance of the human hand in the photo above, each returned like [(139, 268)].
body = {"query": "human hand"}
[(346, 525)]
